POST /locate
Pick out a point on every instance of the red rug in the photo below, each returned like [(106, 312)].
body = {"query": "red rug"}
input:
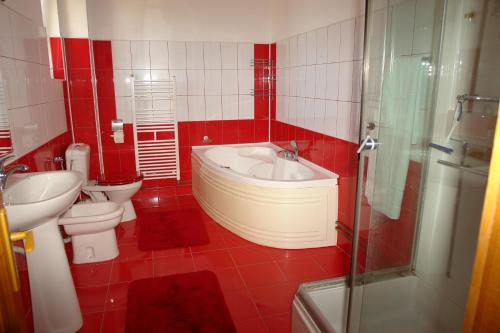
[(181, 303), (171, 229)]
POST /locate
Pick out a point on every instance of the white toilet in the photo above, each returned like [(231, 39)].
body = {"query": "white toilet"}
[(91, 226), (117, 187)]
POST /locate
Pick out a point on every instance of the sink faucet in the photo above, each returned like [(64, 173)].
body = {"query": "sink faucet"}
[(5, 174)]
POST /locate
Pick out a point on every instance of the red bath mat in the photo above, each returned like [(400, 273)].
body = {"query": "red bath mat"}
[(171, 229), (181, 303)]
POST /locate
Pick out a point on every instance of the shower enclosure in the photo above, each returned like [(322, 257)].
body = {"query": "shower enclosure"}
[(419, 208), (431, 83)]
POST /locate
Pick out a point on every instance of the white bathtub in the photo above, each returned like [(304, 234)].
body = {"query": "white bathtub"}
[(264, 198)]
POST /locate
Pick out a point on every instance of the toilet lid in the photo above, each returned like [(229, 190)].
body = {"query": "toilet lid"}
[(119, 178)]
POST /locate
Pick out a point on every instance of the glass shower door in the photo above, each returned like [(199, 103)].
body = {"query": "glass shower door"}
[(401, 49), (397, 102)]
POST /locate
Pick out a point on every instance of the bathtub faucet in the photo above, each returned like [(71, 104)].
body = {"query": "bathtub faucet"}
[(295, 147), (291, 155)]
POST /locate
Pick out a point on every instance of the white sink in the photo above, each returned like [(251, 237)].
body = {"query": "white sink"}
[(34, 201), (33, 198)]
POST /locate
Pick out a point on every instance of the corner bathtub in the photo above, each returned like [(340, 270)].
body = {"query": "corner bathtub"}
[(264, 198)]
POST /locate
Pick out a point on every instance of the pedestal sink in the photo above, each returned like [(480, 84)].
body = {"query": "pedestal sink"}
[(34, 201)]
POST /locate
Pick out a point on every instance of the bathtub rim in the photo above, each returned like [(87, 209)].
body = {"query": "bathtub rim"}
[(331, 178)]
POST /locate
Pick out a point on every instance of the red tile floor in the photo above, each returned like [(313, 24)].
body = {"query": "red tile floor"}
[(258, 282)]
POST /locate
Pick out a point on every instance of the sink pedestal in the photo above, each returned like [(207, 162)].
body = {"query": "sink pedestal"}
[(53, 295)]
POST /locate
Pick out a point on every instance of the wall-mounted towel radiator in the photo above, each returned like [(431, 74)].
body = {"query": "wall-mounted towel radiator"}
[(155, 129)]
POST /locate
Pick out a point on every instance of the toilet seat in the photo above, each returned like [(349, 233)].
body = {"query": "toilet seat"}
[(115, 179)]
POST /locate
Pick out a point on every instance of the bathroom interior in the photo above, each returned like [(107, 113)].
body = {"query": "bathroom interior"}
[(234, 166)]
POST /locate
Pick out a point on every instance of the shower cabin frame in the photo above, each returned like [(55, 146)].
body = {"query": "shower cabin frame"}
[(356, 278)]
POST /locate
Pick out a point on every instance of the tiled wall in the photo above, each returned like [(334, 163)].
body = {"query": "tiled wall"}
[(34, 101), (318, 94), (319, 79), (214, 80), (215, 84)]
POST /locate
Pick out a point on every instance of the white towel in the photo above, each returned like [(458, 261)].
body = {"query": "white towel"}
[(402, 113)]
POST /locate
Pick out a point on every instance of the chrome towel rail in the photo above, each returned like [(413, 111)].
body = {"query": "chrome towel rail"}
[(465, 168), (475, 98)]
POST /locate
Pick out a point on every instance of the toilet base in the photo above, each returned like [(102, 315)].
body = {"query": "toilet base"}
[(129, 212), (92, 248)]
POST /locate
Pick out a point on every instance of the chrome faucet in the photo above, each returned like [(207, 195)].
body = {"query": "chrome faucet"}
[(295, 147), (289, 155), (5, 174)]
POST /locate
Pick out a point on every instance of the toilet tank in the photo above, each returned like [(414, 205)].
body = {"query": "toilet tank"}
[(78, 159)]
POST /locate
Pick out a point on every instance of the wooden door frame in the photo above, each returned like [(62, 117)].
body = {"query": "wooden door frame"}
[(483, 306)]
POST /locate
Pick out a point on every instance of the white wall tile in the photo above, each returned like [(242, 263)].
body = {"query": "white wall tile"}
[(230, 107), (309, 114), (120, 51), (182, 112), (229, 55), (124, 109), (213, 82), (301, 81), (142, 74), (158, 50), (345, 81), (160, 74), (331, 111), (180, 76), (196, 82), (212, 55), (6, 46), (332, 81), (300, 111), (344, 121), (229, 82), (310, 81), (347, 40), (292, 47), (280, 109), (195, 55), (196, 106), (55, 116), (177, 55), (302, 50), (245, 81), (359, 37), (122, 82), (354, 123), (34, 91), (311, 48), (8, 78), (294, 76), (43, 47), (334, 42), (140, 54), (245, 107), (21, 83), (321, 81), (319, 115), (356, 80), (424, 23), (290, 110), (321, 46), (245, 55), (213, 109)]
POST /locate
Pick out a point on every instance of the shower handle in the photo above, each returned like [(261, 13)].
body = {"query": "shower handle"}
[(368, 143)]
